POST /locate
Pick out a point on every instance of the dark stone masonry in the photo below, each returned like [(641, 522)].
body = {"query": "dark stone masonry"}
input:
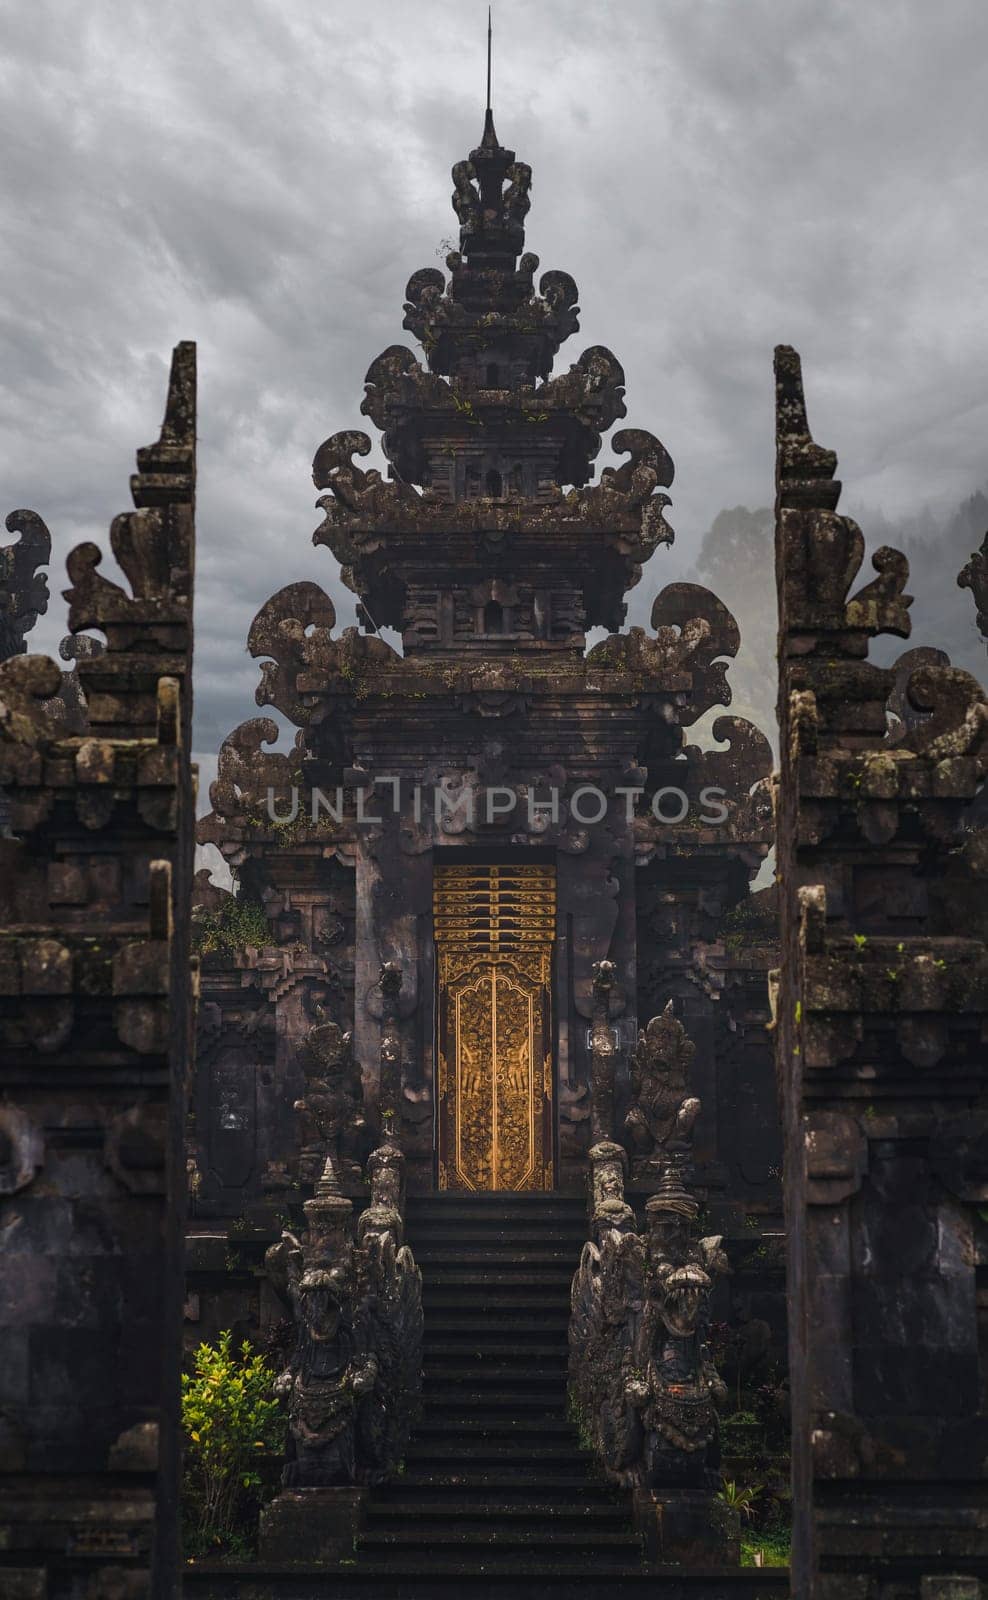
[(493, 1097)]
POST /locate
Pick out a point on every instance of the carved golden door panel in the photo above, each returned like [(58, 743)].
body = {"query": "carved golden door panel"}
[(494, 931)]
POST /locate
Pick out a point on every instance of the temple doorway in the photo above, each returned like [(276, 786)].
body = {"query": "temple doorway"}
[(494, 930)]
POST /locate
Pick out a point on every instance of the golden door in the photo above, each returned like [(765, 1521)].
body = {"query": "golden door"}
[(494, 928)]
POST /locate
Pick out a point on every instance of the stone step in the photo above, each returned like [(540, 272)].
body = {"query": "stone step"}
[(450, 1326), (505, 1395), (489, 1410), (449, 1320), (496, 1311), (590, 1539), (531, 1258), (568, 1235), (532, 1218), (491, 1201), (551, 1283), (475, 1565), (469, 1512), (547, 1353), (401, 1576), (501, 1426), (483, 1452), (470, 1375), (476, 1485)]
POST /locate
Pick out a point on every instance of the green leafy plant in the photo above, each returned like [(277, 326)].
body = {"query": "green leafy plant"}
[(236, 925), (233, 1427), (769, 1549), (740, 1497)]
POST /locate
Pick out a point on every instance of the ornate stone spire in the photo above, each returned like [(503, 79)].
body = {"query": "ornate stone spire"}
[(482, 537)]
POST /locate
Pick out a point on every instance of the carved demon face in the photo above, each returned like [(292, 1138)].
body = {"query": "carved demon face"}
[(321, 1298), (684, 1291)]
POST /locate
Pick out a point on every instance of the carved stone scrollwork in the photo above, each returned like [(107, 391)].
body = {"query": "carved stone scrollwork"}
[(954, 714), (693, 628), (882, 606), (974, 576), (466, 195), (27, 684), (356, 496), (397, 378), (244, 774), (593, 389), (23, 586), (631, 488), (746, 762), (293, 630)]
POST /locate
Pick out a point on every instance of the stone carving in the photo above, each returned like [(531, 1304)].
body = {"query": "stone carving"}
[(391, 1318), (659, 1125), (955, 722), (354, 1375), (693, 630), (27, 685), (22, 1149), (390, 1090), (487, 547), (331, 1109), (592, 389), (329, 1372), (357, 498), (294, 631), (677, 1381), (603, 1051), (544, 320), (23, 587), (397, 379), (608, 1208), (245, 773), (641, 1376), (880, 992), (94, 1031), (973, 576)]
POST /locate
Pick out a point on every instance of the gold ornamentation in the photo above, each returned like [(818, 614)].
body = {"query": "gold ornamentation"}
[(494, 931)]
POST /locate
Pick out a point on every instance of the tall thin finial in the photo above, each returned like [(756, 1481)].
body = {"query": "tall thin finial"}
[(489, 141)]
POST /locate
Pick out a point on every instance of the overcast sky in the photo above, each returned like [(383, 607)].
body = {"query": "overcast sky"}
[(263, 176)]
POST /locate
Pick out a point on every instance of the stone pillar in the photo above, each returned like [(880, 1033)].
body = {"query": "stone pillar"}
[(95, 1024), (881, 1004)]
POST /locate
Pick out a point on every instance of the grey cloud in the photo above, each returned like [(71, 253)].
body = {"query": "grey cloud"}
[(263, 178)]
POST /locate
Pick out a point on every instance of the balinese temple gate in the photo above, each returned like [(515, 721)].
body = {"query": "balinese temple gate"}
[(481, 1143), (490, 858)]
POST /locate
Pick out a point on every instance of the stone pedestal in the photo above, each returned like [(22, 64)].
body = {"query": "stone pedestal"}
[(688, 1529), (312, 1525)]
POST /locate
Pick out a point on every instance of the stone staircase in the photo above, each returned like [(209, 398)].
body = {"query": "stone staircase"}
[(495, 1480), (496, 1500)]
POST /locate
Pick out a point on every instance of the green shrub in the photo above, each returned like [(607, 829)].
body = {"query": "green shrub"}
[(740, 1497), (238, 923), (775, 1548), (234, 1428)]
